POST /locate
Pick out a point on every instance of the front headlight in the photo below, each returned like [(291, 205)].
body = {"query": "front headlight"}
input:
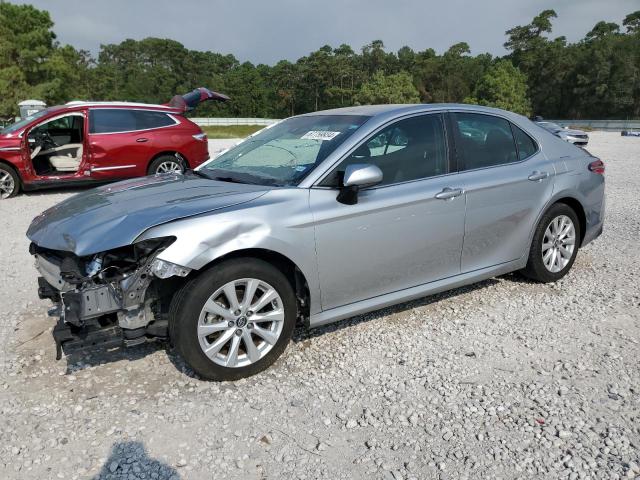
[(164, 269)]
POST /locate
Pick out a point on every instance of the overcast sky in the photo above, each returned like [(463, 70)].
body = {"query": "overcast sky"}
[(265, 31)]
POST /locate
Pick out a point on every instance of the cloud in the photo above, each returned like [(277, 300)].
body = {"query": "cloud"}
[(267, 31)]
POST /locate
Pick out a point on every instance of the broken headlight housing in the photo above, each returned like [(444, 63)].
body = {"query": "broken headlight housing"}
[(163, 269)]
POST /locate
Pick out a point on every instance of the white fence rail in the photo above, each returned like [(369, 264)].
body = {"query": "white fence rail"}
[(214, 122), (608, 125)]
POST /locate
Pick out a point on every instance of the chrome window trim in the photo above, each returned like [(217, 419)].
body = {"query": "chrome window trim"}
[(116, 167), (169, 114), (375, 132)]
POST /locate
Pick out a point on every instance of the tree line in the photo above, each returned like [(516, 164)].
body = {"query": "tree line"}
[(595, 77)]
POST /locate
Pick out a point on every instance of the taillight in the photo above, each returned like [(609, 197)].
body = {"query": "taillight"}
[(200, 136), (597, 166)]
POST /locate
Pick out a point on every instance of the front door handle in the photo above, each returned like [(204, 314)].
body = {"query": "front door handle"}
[(449, 193), (537, 176), (142, 140)]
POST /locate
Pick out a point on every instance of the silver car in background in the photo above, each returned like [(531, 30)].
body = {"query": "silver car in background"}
[(571, 135), (318, 218)]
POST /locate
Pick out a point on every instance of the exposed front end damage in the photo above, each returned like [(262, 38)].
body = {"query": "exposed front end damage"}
[(111, 298)]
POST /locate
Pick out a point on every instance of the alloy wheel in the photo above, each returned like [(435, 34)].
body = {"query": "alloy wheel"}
[(7, 185), (558, 243), (241, 322), (169, 166)]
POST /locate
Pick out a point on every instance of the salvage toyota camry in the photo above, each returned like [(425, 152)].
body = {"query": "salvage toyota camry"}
[(318, 218)]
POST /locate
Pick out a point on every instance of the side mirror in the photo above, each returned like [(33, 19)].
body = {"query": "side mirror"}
[(357, 176)]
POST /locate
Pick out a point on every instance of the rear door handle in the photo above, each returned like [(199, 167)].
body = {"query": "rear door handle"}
[(449, 193), (537, 176), (142, 140)]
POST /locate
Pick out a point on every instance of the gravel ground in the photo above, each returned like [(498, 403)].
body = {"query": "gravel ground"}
[(503, 379)]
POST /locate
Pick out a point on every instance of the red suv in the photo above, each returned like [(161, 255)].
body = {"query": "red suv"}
[(87, 142)]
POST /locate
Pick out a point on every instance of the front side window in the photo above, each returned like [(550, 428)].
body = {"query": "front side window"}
[(484, 140), (409, 149), (69, 122), (284, 153)]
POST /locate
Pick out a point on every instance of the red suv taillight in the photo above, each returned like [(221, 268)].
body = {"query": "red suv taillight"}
[(597, 166), (200, 136)]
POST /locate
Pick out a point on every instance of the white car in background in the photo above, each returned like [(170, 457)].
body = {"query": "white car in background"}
[(577, 137)]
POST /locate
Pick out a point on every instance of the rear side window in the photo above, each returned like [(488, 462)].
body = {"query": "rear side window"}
[(147, 119), (526, 145), (484, 140), (105, 120)]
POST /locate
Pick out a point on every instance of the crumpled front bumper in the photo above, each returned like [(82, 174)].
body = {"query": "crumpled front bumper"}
[(92, 314)]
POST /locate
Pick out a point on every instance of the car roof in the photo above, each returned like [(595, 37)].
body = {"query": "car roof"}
[(148, 106), (399, 109)]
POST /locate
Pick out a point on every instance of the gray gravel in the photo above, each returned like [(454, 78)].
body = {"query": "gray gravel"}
[(504, 379)]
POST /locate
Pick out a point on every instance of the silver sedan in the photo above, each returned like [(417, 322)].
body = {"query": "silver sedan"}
[(571, 135), (315, 219)]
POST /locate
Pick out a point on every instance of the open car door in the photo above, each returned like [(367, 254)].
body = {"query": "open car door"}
[(191, 100)]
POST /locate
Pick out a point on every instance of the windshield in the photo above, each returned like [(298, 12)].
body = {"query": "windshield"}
[(25, 121), (285, 153)]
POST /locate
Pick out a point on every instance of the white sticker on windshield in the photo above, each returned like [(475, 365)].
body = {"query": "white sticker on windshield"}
[(319, 135)]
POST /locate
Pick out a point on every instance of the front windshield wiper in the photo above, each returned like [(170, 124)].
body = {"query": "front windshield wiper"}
[(232, 180), (220, 178), (199, 173)]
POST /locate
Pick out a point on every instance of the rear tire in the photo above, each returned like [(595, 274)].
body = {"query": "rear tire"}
[(555, 245), (166, 164), (9, 182), (221, 340)]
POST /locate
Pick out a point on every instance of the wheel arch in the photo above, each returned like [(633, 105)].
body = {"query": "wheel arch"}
[(12, 166), (173, 153), (7, 163), (288, 267), (577, 207)]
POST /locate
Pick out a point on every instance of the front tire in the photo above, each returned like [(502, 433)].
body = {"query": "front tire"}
[(233, 320), (555, 244), (9, 182)]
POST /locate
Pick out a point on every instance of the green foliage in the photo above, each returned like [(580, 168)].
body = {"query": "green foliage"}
[(632, 22), (597, 77), (33, 64), (502, 86), (231, 131), (395, 88)]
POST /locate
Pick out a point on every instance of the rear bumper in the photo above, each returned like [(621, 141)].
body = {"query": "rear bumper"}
[(595, 228), (592, 234)]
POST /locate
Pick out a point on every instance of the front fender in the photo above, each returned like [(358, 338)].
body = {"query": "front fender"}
[(260, 224)]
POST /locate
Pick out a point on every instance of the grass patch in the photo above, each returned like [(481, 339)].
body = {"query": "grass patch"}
[(231, 131)]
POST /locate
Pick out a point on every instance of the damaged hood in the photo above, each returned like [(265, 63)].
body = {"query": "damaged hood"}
[(115, 215)]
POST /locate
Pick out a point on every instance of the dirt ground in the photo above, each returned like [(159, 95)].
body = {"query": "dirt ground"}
[(503, 379)]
